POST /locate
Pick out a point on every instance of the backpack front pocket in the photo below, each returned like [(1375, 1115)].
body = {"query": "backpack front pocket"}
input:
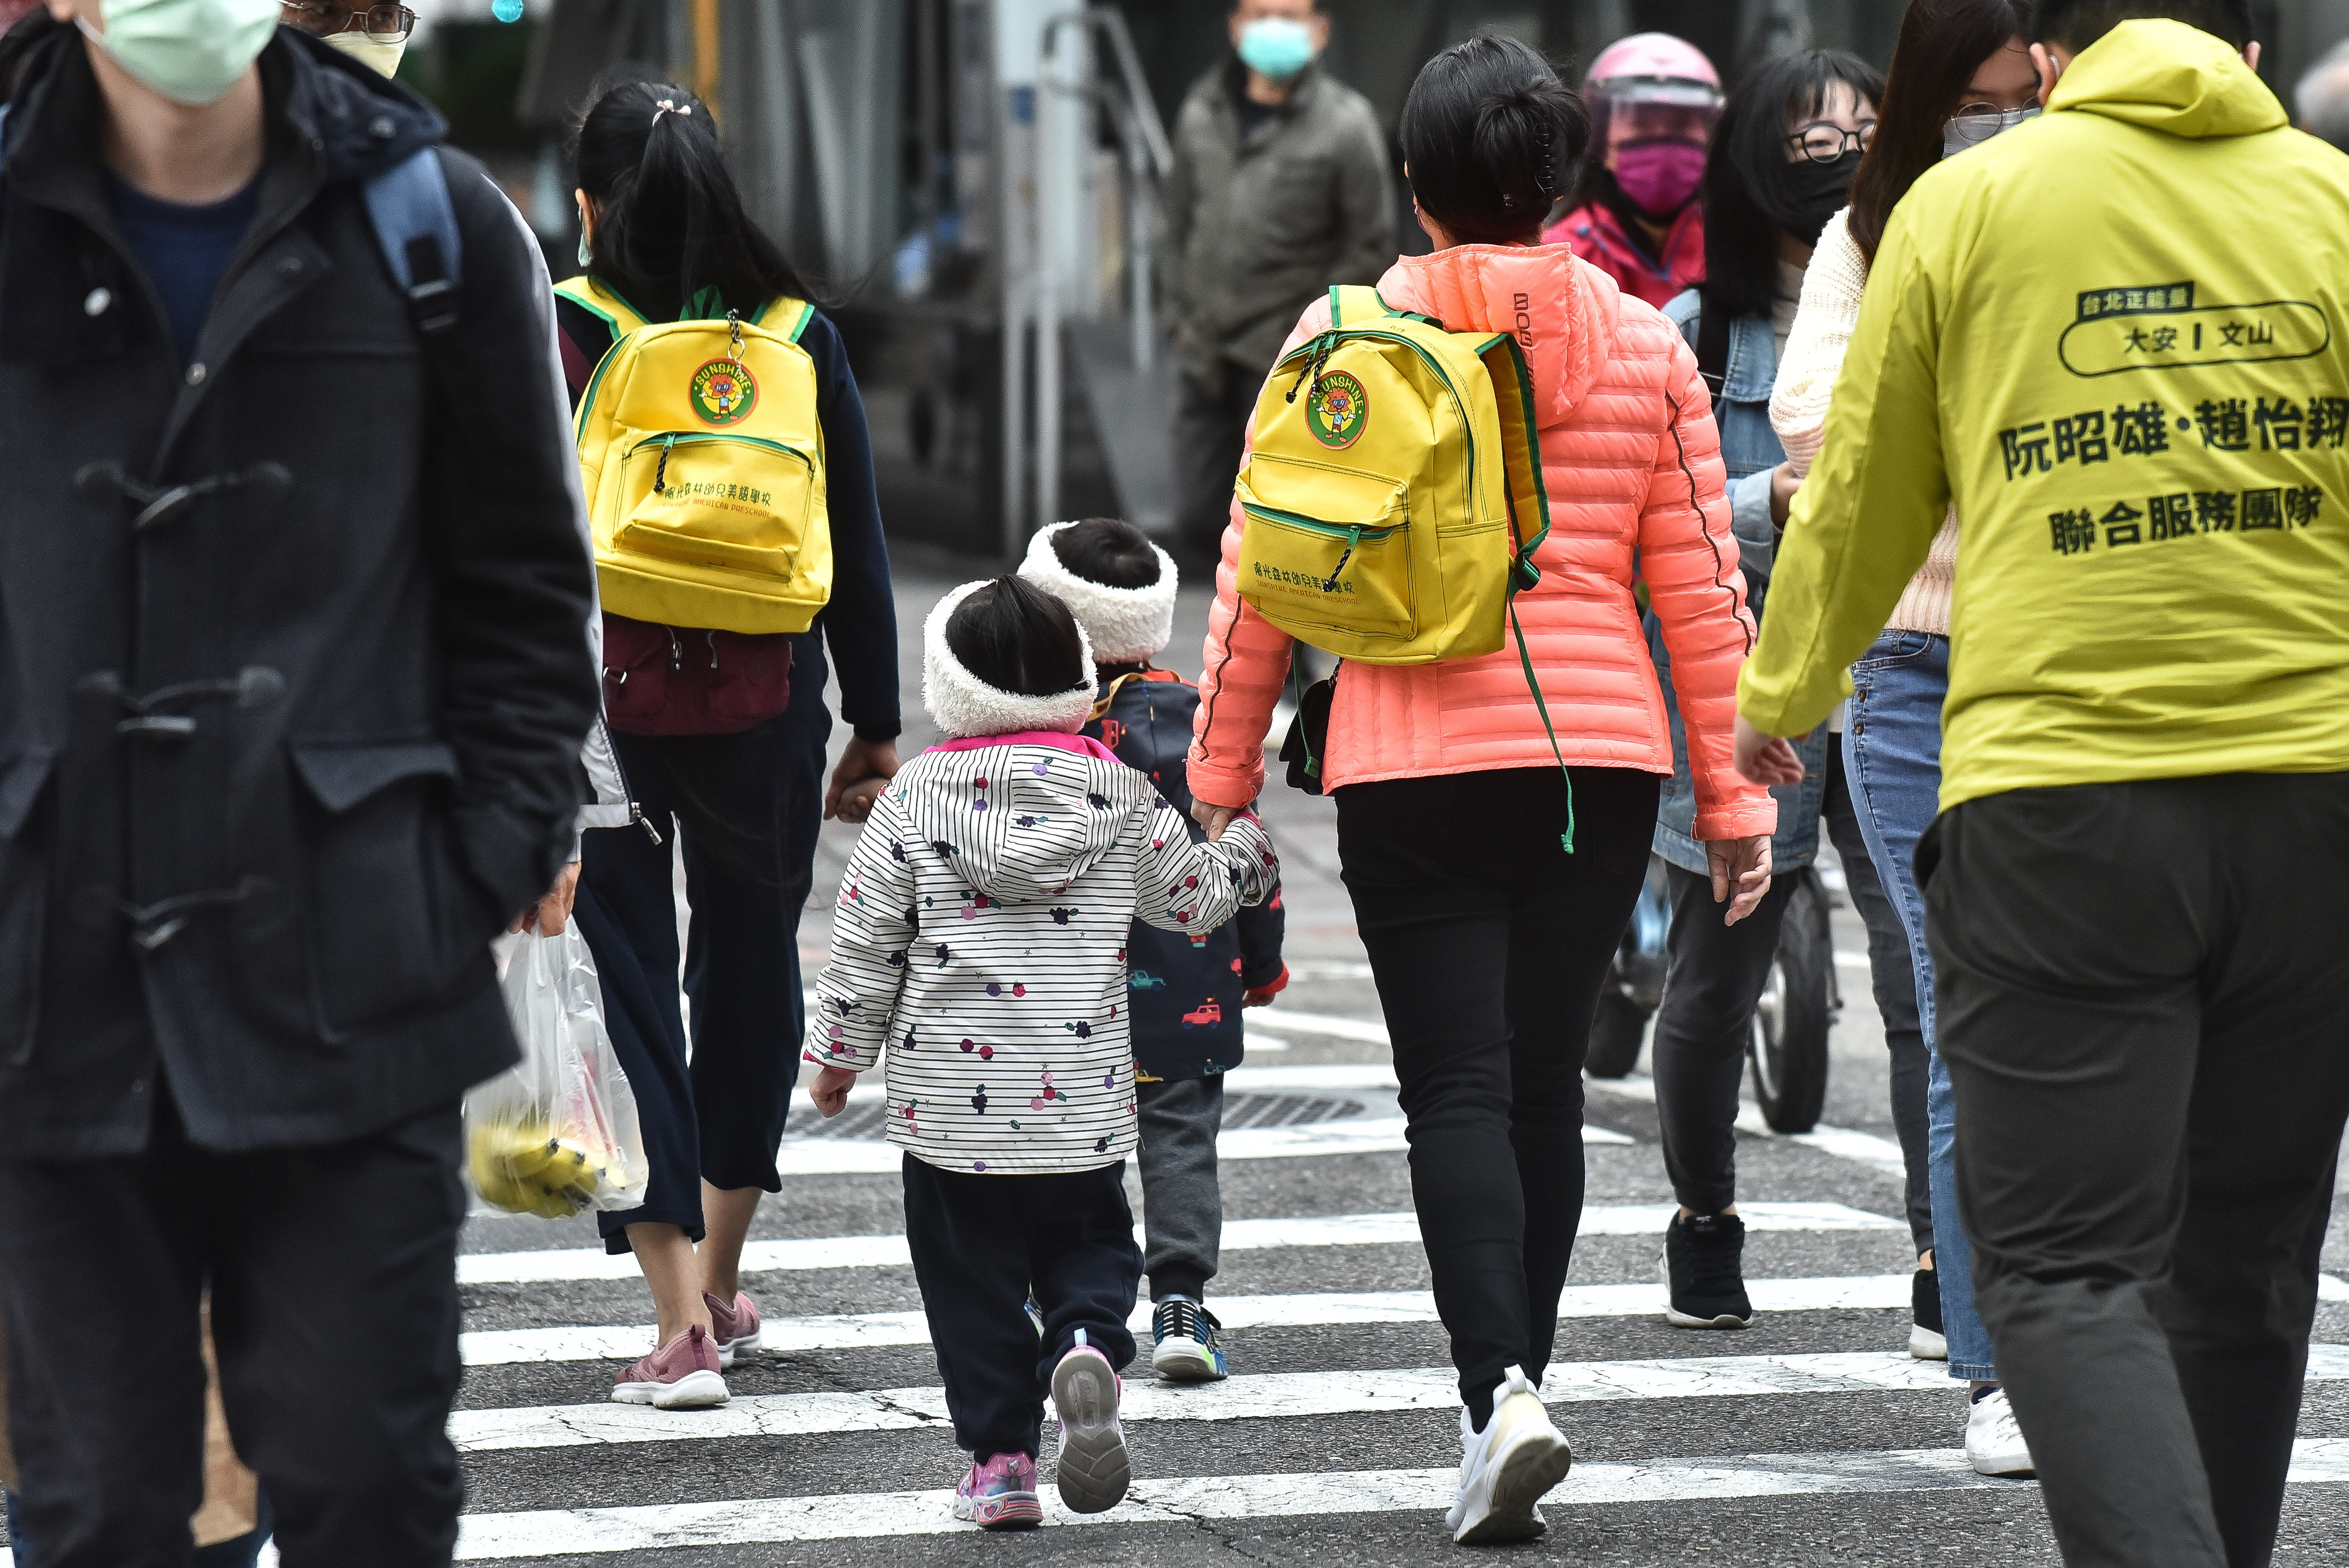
[(737, 503), (1327, 545)]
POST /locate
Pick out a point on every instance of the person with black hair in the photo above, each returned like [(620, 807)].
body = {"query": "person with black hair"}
[(726, 769), (981, 936), (2130, 888), (1782, 160), (1488, 934), (1188, 991), (1961, 75)]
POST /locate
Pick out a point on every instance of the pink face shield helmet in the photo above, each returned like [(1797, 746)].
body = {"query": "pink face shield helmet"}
[(1654, 101)]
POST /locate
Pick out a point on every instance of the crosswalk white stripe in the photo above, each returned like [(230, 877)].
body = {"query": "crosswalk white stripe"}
[(866, 1515), (1360, 1135), (1239, 1236), (488, 1348), (1253, 1398)]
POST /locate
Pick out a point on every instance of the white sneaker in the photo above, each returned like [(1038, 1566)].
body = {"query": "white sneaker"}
[(1506, 1469), (1926, 1345), (1994, 1444)]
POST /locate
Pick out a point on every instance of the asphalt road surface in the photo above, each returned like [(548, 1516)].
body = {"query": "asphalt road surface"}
[(1811, 1437)]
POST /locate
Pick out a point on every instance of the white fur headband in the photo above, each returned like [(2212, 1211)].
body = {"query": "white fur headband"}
[(1126, 625), (966, 706)]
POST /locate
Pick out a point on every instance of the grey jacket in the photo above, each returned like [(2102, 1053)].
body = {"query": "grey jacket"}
[(1259, 229)]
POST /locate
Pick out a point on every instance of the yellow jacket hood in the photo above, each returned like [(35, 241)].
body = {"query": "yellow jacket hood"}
[(2167, 76)]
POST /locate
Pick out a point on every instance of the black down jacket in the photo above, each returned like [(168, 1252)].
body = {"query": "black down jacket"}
[(280, 752)]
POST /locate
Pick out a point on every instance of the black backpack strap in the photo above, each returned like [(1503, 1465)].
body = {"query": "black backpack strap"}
[(1712, 345)]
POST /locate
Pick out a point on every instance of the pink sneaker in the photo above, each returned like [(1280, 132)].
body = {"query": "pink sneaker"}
[(735, 1327), (1093, 1470), (680, 1376), (1000, 1494)]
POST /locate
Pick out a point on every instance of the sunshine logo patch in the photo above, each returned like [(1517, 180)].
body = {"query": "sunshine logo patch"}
[(723, 392), (1337, 410)]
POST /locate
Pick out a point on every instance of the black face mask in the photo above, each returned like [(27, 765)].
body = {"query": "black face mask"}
[(1811, 194)]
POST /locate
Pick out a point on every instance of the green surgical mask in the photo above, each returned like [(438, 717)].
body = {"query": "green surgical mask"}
[(190, 51), (382, 53)]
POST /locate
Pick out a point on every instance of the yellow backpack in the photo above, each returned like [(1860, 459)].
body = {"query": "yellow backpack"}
[(1392, 488), (1393, 496), (703, 464)]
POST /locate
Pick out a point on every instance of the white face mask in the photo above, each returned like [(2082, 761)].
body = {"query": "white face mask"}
[(190, 51), (383, 54), (1970, 130)]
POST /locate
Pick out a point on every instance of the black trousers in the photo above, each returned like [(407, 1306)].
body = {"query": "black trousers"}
[(732, 805), (2145, 1010), (1211, 424), (980, 1245), (1489, 942), (333, 1274), (1714, 975)]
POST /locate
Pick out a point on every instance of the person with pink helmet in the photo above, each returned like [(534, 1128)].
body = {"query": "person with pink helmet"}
[(1654, 100)]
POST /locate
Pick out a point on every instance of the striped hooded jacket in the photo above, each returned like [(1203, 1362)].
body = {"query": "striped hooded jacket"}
[(980, 946)]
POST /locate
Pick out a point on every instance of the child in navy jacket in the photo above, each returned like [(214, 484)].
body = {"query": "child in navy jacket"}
[(1187, 989)]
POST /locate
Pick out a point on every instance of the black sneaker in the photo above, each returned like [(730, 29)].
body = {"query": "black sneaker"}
[(1705, 1272), (1190, 1347), (1925, 1340)]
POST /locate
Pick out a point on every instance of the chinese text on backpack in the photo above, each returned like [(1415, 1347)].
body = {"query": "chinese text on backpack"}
[(1393, 490), (703, 465)]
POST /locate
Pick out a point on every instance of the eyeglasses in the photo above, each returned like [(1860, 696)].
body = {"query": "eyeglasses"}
[(376, 22), (1978, 123), (1823, 143)]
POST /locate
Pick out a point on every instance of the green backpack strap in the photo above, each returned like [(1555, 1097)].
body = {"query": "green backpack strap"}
[(785, 316), (596, 300), (1513, 391)]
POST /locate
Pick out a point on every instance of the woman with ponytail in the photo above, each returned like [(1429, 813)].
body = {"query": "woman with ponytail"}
[(1488, 934), (727, 767)]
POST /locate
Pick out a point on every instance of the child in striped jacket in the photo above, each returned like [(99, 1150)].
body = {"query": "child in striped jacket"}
[(980, 938)]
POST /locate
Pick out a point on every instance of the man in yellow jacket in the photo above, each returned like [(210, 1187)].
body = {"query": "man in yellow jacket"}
[(2117, 338)]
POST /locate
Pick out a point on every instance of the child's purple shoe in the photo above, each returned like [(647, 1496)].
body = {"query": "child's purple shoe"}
[(1000, 1494)]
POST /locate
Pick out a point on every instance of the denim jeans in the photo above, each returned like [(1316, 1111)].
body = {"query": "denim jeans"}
[(1892, 755)]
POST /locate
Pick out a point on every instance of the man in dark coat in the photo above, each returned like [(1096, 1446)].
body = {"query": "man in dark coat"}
[(293, 681)]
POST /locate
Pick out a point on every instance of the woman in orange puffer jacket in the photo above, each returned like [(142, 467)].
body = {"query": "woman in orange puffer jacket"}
[(1489, 942)]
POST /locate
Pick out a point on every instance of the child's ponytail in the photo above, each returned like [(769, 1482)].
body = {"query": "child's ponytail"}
[(669, 219)]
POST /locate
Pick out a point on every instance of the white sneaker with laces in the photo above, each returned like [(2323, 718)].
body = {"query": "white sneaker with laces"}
[(1506, 1469), (1994, 1444)]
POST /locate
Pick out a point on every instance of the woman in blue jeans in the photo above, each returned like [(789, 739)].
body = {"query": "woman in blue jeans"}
[(1960, 74)]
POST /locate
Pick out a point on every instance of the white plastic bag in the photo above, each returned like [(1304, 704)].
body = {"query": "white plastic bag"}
[(556, 1136)]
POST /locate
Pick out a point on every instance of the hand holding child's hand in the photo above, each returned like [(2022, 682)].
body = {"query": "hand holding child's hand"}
[(1215, 819), (1741, 873), (830, 1090)]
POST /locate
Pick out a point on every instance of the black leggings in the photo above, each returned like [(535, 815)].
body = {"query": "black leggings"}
[(1489, 944)]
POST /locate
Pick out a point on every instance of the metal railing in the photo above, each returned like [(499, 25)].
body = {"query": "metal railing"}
[(1149, 162)]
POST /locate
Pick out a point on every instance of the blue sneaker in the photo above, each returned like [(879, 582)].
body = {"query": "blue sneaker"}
[(1189, 1342)]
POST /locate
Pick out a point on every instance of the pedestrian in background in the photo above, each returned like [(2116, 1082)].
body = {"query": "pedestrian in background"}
[(1488, 938), (1637, 215), (980, 939), (1281, 188), (726, 765), (2130, 889), (1189, 989), (1782, 161), (1961, 75), (293, 701)]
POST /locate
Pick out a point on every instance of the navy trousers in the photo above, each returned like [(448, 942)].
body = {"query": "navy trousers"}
[(980, 1243), (744, 811)]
